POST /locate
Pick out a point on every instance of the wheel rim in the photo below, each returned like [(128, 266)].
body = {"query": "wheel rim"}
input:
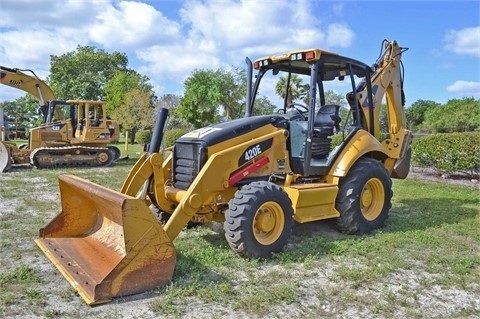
[(372, 199), (103, 157), (268, 223)]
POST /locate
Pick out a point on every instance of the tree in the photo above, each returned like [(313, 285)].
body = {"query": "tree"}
[(263, 106), (207, 92), (122, 82), (234, 86), (136, 112), (172, 102), (464, 114), (458, 115), (415, 114), (22, 114), (332, 97), (120, 91), (82, 74)]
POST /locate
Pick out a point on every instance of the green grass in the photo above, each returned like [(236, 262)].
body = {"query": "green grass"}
[(429, 245), (433, 228)]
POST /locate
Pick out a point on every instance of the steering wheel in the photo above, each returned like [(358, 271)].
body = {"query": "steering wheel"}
[(300, 108)]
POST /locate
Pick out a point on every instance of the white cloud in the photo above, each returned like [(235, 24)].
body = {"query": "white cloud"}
[(464, 41), (47, 14), (234, 24), (222, 33), (465, 88), (23, 49), (33, 30), (339, 35), (338, 8), (175, 61), (132, 24), (238, 25), (206, 34)]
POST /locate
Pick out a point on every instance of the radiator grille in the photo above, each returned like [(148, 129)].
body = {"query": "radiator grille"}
[(189, 159)]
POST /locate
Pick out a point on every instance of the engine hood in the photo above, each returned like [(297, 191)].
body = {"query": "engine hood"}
[(223, 131)]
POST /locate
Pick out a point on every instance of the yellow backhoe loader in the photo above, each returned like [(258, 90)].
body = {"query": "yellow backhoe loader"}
[(73, 132), (258, 175)]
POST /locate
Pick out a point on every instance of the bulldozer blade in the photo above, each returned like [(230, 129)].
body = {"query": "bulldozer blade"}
[(5, 158), (105, 243)]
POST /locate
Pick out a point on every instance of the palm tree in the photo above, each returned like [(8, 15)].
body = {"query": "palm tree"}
[(296, 89)]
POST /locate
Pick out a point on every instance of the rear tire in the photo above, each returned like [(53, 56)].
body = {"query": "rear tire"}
[(364, 197), (259, 220)]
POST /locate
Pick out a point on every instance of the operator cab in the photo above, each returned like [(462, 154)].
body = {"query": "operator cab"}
[(306, 85)]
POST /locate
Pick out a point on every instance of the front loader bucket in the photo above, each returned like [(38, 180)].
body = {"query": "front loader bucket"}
[(105, 243)]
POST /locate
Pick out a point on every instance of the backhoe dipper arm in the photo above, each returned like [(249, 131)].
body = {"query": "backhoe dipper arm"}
[(386, 80)]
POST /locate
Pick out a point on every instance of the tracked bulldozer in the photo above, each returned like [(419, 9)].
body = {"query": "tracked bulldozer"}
[(73, 133), (258, 175)]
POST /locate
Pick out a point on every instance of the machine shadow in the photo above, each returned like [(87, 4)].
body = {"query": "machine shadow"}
[(315, 239), (320, 237)]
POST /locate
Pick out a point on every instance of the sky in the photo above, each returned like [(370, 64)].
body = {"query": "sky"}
[(167, 40)]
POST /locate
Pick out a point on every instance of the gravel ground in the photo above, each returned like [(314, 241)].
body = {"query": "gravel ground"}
[(406, 287)]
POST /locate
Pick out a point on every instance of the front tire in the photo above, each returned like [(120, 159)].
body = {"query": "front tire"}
[(364, 197), (259, 220)]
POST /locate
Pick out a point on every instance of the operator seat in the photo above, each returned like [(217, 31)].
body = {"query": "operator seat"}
[(326, 120), (325, 124)]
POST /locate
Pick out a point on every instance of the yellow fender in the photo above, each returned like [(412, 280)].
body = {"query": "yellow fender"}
[(360, 144)]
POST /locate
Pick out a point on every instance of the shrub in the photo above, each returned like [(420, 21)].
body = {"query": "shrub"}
[(172, 135), (144, 136), (455, 116), (448, 152)]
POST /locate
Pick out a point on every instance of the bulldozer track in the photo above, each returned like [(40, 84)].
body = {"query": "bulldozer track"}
[(71, 156)]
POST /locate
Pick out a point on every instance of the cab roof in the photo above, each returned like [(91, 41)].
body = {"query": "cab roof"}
[(331, 65)]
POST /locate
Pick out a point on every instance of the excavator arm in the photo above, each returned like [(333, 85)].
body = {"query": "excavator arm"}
[(31, 84)]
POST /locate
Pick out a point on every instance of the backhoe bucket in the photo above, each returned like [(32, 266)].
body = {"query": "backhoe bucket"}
[(105, 243)]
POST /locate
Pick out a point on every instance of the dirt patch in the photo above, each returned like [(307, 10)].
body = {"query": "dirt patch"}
[(429, 174)]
